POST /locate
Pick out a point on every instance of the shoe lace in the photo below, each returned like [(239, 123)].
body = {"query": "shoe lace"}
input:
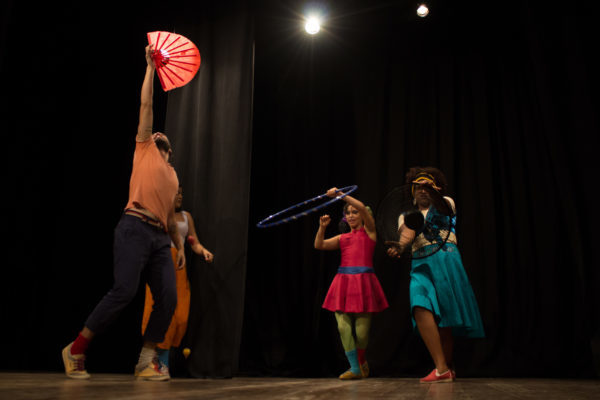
[(160, 367), (79, 364), (164, 369)]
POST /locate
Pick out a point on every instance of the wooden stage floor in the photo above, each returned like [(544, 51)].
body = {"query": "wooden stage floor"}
[(38, 386)]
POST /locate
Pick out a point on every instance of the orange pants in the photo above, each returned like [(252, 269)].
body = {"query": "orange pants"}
[(179, 322)]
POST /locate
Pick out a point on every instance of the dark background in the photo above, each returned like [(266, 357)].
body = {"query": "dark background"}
[(502, 96)]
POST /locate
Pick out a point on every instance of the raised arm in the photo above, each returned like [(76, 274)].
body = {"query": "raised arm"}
[(145, 124), (368, 220), (440, 202), (326, 244)]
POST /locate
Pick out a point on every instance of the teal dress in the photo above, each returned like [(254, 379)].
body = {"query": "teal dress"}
[(440, 284)]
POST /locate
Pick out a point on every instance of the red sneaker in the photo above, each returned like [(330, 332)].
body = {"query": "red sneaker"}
[(435, 377)]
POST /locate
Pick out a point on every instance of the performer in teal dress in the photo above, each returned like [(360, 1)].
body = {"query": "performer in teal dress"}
[(442, 301)]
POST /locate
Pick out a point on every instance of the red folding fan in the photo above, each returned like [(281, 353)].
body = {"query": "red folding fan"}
[(175, 57)]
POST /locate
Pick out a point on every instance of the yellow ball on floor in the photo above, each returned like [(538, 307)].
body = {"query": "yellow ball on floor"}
[(186, 352)]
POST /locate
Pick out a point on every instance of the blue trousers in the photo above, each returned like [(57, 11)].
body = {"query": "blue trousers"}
[(141, 252)]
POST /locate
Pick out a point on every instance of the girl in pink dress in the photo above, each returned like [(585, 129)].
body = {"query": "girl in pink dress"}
[(355, 293)]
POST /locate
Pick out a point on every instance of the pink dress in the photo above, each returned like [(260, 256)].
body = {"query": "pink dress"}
[(355, 288)]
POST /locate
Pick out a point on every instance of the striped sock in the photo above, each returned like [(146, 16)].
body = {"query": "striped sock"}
[(146, 356)]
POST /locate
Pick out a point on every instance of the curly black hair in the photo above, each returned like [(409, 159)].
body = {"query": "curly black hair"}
[(438, 176)]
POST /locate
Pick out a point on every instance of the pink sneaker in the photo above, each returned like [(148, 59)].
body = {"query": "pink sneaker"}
[(435, 377)]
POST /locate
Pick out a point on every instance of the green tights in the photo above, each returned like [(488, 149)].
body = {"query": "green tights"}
[(350, 324)]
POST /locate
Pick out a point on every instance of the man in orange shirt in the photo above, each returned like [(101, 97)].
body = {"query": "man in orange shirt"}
[(141, 247)]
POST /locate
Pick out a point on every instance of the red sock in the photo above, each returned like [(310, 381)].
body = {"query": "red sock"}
[(361, 356), (80, 345)]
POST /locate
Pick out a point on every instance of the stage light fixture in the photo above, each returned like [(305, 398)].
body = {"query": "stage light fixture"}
[(422, 11), (313, 25)]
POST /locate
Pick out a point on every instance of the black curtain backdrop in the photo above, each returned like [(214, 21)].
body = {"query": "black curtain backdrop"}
[(210, 123), (504, 98)]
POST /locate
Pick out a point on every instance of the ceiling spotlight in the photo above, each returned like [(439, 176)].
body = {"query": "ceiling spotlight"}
[(422, 11), (313, 25)]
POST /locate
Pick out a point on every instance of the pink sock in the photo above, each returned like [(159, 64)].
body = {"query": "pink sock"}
[(80, 345)]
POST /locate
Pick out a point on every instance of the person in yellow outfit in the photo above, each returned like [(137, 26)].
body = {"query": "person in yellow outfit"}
[(178, 326)]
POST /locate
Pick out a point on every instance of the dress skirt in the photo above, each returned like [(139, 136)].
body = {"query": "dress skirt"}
[(355, 293), (440, 284)]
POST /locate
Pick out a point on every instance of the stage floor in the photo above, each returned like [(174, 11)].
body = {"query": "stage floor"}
[(34, 386)]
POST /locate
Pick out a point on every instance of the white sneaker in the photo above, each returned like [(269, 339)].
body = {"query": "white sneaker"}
[(74, 364)]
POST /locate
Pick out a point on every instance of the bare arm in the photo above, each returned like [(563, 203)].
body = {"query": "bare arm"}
[(368, 220), (407, 236), (172, 228), (439, 202), (326, 244), (146, 118), (197, 247)]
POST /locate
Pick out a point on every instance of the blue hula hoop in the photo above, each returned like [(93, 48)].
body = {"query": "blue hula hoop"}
[(266, 224)]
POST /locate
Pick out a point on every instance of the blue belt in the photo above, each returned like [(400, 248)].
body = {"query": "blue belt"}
[(355, 270)]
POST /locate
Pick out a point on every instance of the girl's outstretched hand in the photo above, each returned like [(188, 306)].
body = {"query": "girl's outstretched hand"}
[(324, 220), (333, 192)]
